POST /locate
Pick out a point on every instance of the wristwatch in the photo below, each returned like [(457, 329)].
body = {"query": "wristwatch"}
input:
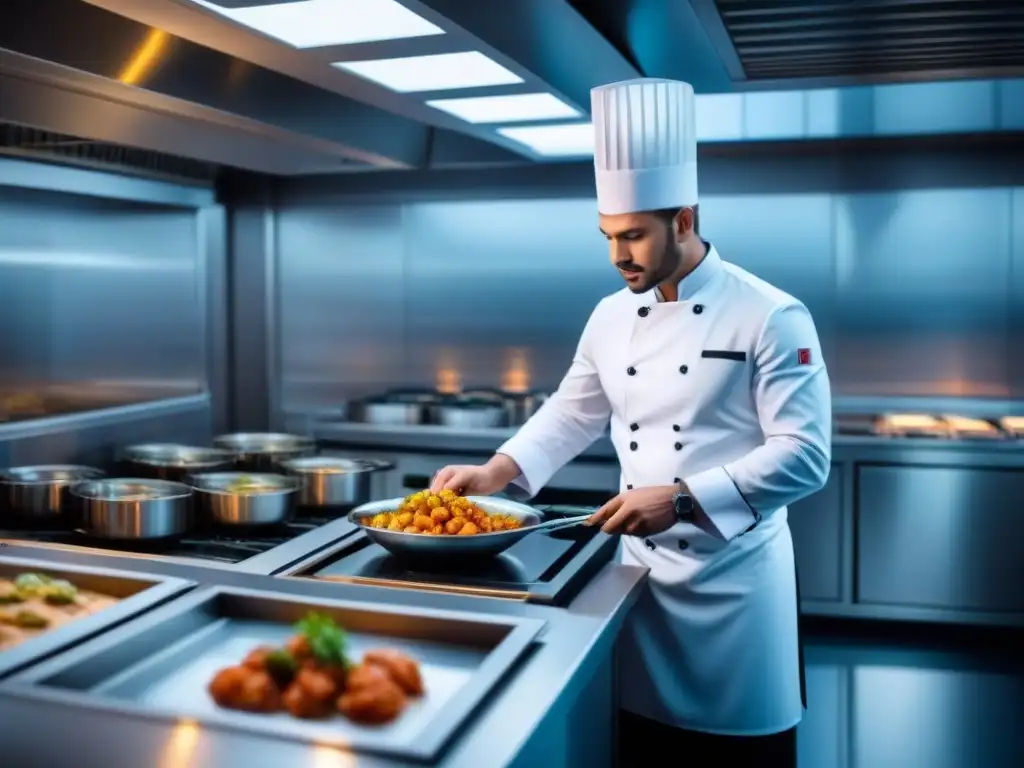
[(685, 505)]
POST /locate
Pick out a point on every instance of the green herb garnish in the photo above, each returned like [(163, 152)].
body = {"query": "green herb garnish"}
[(326, 639), (281, 666)]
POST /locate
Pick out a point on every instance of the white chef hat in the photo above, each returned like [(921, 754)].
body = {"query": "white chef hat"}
[(645, 145)]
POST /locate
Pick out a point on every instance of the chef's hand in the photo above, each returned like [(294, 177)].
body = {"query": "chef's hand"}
[(640, 512), (470, 480)]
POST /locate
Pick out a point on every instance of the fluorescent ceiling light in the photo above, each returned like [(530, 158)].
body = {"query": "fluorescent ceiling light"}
[(506, 109), (314, 23), (439, 72), (570, 140)]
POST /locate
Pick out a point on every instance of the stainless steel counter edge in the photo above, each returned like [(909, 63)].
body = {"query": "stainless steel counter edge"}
[(498, 731), (20, 430), (430, 438)]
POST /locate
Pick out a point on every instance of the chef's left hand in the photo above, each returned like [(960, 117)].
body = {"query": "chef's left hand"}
[(640, 512)]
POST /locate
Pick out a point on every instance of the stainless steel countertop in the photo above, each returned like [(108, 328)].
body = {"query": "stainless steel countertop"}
[(577, 639), (430, 438)]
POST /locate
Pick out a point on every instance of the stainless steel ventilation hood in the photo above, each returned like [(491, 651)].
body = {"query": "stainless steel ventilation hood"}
[(184, 79)]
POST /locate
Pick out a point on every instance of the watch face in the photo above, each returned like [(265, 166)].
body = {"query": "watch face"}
[(683, 504)]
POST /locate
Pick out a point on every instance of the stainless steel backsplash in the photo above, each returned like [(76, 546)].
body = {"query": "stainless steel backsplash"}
[(99, 294), (911, 260)]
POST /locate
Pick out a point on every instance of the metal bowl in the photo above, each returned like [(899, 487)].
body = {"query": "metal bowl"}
[(40, 492), (422, 546), (170, 461), (330, 481), (262, 451), (220, 501), (132, 508)]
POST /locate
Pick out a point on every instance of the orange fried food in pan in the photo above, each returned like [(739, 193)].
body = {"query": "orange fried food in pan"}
[(441, 514)]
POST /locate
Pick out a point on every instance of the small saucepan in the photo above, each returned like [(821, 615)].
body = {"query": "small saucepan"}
[(132, 508), (41, 492), (241, 499), (330, 481), (170, 461), (262, 451)]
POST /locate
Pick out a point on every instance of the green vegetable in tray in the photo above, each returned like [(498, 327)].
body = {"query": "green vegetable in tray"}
[(24, 619), (326, 639), (31, 584), (11, 596), (281, 666), (59, 592)]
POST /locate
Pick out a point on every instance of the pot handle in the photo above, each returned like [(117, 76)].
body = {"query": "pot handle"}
[(377, 465)]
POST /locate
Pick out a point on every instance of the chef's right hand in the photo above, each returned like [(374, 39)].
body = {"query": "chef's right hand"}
[(470, 480)]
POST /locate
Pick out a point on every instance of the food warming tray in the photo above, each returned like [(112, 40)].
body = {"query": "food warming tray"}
[(159, 665), (138, 592)]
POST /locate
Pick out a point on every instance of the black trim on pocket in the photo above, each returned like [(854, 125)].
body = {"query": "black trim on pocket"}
[(724, 354)]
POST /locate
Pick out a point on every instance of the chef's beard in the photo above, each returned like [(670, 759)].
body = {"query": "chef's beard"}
[(662, 271)]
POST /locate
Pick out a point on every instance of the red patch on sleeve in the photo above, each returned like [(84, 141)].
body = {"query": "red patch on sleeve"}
[(803, 356)]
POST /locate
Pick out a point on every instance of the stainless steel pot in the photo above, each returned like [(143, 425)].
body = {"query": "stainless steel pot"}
[(470, 414), (41, 492), (239, 498), (329, 481), (170, 461), (395, 414), (130, 508), (262, 451)]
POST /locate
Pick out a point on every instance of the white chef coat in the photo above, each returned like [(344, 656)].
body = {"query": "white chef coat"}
[(725, 388)]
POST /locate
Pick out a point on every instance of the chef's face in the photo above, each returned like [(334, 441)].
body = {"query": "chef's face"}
[(646, 247)]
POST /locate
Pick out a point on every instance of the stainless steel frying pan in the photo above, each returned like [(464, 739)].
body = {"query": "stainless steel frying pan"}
[(423, 546)]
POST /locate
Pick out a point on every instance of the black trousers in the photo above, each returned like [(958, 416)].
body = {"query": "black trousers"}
[(644, 743)]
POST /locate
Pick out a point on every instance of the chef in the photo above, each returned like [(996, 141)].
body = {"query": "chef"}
[(716, 391)]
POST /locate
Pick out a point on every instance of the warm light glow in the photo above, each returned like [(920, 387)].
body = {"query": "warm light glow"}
[(569, 140), (520, 107), (448, 381), (145, 58), (516, 378), (315, 23), (180, 749), (329, 757), (438, 72)]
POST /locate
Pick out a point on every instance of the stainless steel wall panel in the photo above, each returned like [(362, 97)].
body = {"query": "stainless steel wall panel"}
[(817, 527), (784, 239), (212, 247), (255, 377), (99, 292), (903, 255), (923, 302), (936, 537), (343, 299), (501, 286), (1015, 348), (1011, 105)]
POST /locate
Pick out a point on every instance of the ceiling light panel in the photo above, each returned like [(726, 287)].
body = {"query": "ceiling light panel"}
[(568, 140), (438, 72), (517, 108), (316, 23)]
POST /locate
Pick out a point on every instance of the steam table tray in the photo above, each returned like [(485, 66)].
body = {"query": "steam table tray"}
[(159, 666)]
